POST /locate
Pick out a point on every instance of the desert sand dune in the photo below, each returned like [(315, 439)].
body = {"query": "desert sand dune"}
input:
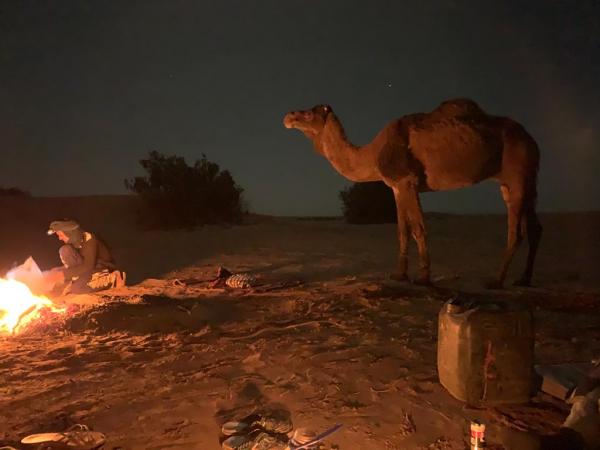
[(165, 361)]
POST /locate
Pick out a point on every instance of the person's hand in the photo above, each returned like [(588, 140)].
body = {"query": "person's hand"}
[(585, 418)]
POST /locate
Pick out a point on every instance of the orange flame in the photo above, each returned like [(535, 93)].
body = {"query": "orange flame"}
[(19, 307)]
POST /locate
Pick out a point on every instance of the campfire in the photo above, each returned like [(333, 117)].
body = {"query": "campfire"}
[(19, 308)]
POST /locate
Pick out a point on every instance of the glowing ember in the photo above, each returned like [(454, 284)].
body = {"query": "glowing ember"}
[(19, 307)]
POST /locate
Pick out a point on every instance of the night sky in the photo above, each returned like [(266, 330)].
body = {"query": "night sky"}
[(87, 88)]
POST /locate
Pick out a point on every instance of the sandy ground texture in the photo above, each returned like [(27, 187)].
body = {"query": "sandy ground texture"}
[(163, 362)]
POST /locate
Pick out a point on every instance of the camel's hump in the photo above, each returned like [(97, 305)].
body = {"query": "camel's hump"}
[(459, 107)]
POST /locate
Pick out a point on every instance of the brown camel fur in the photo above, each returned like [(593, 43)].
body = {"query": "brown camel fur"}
[(454, 146)]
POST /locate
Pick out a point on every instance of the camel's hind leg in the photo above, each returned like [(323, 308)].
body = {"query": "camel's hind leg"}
[(533, 228), (513, 197)]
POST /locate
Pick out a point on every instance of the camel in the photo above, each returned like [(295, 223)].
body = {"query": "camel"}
[(454, 146)]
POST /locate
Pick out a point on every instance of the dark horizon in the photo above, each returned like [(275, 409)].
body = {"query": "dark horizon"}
[(466, 212), (88, 89)]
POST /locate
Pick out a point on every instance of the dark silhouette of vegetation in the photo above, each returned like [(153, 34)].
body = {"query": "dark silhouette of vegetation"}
[(368, 202), (176, 195), (14, 192)]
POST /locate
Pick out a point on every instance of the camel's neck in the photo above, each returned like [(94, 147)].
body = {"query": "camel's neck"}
[(355, 163)]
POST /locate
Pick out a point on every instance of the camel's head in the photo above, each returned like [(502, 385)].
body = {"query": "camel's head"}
[(311, 122)]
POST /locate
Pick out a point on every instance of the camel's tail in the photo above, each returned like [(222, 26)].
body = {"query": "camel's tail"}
[(532, 179), (529, 223), (524, 160), (532, 193)]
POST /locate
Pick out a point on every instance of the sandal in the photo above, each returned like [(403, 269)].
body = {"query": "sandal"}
[(304, 439), (256, 440), (241, 280), (278, 424), (78, 437)]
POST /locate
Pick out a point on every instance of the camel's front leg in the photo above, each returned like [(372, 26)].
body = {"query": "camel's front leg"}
[(407, 200), (402, 269)]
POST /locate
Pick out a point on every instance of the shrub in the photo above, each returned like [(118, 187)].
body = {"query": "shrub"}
[(370, 202), (13, 192), (176, 195)]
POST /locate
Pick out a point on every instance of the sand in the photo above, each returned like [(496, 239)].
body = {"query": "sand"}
[(163, 362)]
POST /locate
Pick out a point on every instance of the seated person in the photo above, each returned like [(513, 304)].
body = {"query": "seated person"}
[(87, 263)]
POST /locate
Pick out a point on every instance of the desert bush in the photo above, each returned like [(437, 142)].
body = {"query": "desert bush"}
[(370, 202), (13, 192), (177, 195)]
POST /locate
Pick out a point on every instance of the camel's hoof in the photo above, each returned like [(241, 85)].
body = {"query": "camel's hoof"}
[(493, 284), (399, 277), (423, 281), (522, 282)]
